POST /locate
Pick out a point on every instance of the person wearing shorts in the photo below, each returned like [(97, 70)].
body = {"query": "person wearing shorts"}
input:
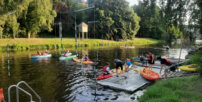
[(127, 64), (165, 63), (118, 63)]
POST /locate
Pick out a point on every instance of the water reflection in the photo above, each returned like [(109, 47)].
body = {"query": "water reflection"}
[(67, 81)]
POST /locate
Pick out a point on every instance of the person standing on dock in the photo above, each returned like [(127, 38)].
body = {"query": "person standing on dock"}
[(164, 63), (118, 63), (150, 59)]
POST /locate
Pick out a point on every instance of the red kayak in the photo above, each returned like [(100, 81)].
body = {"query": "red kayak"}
[(102, 76)]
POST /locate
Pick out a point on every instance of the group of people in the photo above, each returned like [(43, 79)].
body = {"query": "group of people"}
[(118, 64), (165, 63), (42, 53), (150, 58)]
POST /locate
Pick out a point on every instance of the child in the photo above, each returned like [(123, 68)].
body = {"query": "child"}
[(127, 64), (150, 59), (66, 52), (38, 53), (86, 58), (106, 69), (118, 63)]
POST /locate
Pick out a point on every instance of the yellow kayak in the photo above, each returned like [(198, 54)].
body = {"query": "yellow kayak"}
[(80, 61), (190, 68), (120, 71)]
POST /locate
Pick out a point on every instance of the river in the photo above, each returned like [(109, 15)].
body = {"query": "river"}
[(67, 81)]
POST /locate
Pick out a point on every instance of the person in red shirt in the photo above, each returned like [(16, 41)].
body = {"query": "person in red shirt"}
[(150, 59)]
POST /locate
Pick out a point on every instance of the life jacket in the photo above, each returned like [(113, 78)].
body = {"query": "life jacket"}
[(105, 69), (149, 57), (86, 58), (167, 60)]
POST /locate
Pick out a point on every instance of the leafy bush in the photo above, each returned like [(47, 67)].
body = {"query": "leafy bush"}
[(196, 59)]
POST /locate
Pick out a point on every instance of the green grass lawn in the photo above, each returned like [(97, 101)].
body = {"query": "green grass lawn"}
[(187, 89), (44, 43)]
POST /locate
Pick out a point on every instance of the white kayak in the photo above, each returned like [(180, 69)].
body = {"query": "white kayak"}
[(41, 56)]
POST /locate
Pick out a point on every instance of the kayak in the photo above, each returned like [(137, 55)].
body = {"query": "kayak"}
[(68, 54), (119, 70), (102, 76), (189, 68), (42, 56), (149, 74), (67, 57), (80, 61)]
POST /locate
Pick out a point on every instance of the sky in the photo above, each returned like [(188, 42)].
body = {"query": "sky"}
[(132, 2)]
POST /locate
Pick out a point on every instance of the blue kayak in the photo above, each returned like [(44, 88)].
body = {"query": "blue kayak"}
[(42, 56)]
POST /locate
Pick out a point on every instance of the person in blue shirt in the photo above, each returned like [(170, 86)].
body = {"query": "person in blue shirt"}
[(127, 64)]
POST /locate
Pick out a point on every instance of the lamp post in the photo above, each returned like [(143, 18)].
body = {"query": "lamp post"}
[(75, 24)]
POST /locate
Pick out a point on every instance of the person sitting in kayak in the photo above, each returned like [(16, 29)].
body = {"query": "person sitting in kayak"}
[(150, 59), (86, 58), (46, 52), (165, 63), (118, 63), (127, 64), (167, 47), (106, 69), (66, 52), (38, 53)]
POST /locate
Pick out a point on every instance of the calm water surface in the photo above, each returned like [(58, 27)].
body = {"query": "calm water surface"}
[(67, 81)]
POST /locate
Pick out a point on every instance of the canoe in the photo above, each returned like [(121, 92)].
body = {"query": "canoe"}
[(67, 58), (42, 56), (119, 70), (189, 68), (68, 54), (80, 61), (149, 74), (102, 76)]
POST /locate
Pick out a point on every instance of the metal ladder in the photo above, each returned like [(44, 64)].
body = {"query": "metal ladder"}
[(17, 86)]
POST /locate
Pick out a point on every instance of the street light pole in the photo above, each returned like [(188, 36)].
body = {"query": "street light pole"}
[(75, 25)]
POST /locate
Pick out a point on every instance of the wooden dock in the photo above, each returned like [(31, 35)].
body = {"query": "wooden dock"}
[(131, 81)]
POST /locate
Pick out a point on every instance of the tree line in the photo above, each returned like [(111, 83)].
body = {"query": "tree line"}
[(110, 19)]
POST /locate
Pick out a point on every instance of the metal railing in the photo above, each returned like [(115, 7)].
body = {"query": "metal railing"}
[(19, 88)]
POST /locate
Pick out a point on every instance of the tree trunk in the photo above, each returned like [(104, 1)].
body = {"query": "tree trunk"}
[(29, 34), (0, 35), (13, 36)]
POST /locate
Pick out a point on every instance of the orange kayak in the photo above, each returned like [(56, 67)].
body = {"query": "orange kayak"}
[(149, 74), (80, 61)]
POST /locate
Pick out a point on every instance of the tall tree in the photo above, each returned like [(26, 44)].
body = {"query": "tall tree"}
[(151, 23), (116, 20)]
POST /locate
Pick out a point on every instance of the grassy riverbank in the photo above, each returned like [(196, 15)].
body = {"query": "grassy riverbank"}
[(47, 43), (187, 89)]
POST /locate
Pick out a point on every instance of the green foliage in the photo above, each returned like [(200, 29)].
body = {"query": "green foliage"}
[(196, 59), (44, 43), (186, 89), (151, 24), (116, 20), (172, 34), (31, 17)]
